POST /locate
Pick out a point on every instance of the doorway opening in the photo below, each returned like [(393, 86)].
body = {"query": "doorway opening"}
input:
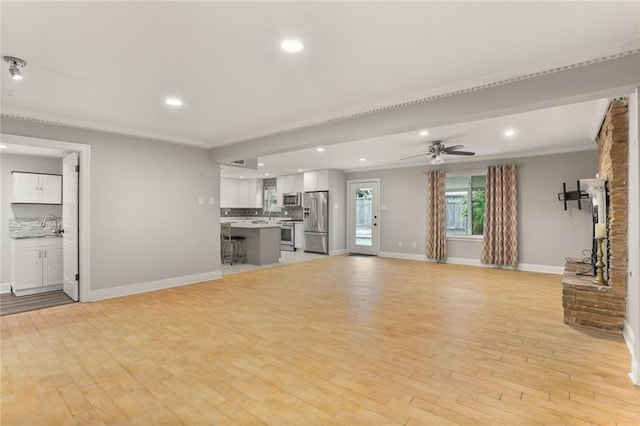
[(71, 279)]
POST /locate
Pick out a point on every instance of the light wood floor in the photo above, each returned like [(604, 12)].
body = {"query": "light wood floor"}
[(337, 340)]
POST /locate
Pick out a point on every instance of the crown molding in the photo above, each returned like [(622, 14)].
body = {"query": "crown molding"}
[(451, 91), (98, 129), (509, 156)]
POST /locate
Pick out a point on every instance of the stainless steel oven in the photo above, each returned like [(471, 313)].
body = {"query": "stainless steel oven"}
[(287, 236)]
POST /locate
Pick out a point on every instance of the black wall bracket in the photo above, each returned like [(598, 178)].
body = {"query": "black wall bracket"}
[(578, 195)]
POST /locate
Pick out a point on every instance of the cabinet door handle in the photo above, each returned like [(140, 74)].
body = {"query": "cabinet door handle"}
[(45, 253), (39, 254)]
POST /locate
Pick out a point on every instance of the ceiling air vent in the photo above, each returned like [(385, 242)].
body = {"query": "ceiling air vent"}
[(251, 163)]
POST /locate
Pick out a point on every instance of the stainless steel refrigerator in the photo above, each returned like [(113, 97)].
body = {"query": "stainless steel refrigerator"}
[(315, 216)]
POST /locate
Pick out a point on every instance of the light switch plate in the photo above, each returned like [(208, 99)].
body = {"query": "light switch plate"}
[(212, 201), (201, 200), (383, 206)]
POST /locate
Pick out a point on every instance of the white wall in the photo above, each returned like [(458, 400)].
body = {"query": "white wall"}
[(546, 233), (337, 211), (147, 229), (22, 163), (632, 323)]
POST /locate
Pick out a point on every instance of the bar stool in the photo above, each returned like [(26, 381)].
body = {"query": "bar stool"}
[(232, 247)]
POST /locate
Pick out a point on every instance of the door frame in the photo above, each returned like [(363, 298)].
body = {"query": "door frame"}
[(350, 221), (84, 197)]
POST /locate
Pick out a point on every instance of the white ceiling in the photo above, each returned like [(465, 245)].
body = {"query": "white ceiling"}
[(109, 65)]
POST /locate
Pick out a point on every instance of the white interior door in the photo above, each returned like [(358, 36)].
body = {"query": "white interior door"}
[(70, 225), (363, 218)]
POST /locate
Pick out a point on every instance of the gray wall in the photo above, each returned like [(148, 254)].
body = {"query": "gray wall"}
[(547, 234), (21, 163), (146, 224), (337, 210)]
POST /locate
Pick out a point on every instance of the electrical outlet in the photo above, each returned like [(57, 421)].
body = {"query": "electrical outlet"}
[(415, 245), (212, 201), (399, 243)]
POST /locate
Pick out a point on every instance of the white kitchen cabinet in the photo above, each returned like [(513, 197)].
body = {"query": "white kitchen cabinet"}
[(34, 188), (299, 237), (288, 184), (241, 193), (316, 181), (36, 265)]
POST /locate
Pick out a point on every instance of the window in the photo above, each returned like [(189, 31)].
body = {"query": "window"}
[(465, 198)]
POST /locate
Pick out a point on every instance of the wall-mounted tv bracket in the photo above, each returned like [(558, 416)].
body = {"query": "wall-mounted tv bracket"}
[(572, 195)]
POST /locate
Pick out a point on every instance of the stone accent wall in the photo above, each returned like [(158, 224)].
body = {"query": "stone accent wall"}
[(585, 303), (613, 145)]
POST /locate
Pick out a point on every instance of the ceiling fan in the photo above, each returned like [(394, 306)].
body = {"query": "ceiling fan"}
[(437, 148)]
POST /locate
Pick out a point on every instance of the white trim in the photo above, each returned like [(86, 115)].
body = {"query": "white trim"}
[(337, 252), (406, 256), (544, 269), (350, 213), (602, 106), (469, 173), (5, 288), (629, 338), (127, 290), (467, 262), (84, 182), (464, 237)]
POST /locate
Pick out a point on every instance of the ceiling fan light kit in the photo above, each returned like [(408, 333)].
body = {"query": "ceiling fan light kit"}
[(14, 66), (437, 148)]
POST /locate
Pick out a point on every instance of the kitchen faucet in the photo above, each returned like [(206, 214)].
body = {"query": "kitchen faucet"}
[(44, 221)]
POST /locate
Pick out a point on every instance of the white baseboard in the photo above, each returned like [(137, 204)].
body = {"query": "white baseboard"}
[(127, 290), (629, 338), (406, 256), (5, 288), (546, 269), (337, 252), (467, 261)]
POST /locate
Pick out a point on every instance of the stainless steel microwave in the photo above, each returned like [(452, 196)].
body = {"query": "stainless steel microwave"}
[(292, 199)]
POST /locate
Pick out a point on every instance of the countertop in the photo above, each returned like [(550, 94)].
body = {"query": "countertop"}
[(29, 237), (254, 225)]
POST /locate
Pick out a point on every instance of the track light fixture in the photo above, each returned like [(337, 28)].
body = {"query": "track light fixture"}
[(14, 66)]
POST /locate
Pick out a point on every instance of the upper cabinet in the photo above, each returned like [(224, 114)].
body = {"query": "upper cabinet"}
[(33, 188), (288, 184), (241, 193), (316, 181)]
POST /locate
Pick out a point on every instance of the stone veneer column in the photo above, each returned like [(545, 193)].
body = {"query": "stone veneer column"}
[(584, 303), (613, 145)]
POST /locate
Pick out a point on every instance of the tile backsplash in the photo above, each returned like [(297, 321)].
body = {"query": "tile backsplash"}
[(30, 227), (294, 213)]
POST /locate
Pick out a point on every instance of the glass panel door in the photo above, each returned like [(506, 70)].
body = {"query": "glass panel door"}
[(363, 218)]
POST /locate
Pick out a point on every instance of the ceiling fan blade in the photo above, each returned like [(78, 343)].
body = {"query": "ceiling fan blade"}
[(418, 155), (452, 148), (460, 153)]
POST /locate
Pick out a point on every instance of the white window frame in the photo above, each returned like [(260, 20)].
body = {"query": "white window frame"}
[(469, 174)]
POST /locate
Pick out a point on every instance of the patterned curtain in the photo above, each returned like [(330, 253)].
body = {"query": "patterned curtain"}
[(500, 244), (436, 225)]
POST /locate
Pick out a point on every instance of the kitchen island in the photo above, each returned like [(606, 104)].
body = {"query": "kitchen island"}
[(262, 241)]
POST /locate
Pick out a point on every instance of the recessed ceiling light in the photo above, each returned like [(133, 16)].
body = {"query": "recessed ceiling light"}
[(320, 149), (173, 101), (424, 133), (241, 177), (509, 133), (3, 147), (266, 174), (300, 170), (363, 159), (292, 46), (260, 164)]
